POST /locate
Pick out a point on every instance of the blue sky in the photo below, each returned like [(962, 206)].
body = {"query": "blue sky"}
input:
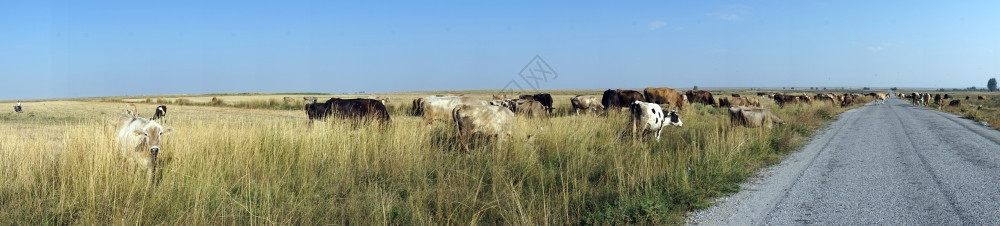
[(103, 48)]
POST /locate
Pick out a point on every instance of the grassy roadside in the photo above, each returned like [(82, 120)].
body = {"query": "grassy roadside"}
[(244, 166)]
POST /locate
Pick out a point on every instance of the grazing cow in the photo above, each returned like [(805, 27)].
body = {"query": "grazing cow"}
[(628, 96), (948, 96), (735, 95), (611, 100), (955, 103), (966, 97), (826, 97), (316, 111), (161, 113), (753, 117), (530, 108), (586, 103), (215, 99), (752, 101), (760, 94), (439, 107), (17, 108), (937, 99), (650, 117), (139, 143), (289, 99), (783, 99), (131, 110), (731, 102), (357, 109), (500, 97), (492, 121), (310, 99), (981, 97), (700, 96), (544, 98), (846, 100), (664, 96)]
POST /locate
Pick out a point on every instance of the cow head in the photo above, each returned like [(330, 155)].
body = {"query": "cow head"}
[(153, 133), (673, 118)]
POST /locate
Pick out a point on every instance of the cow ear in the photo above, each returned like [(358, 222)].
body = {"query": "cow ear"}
[(168, 130), (138, 132)]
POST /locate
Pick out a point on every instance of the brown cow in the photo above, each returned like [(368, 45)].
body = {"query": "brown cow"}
[(664, 96), (955, 103), (981, 97), (700, 96), (731, 102), (752, 101), (131, 110), (628, 96), (531, 108), (735, 95), (783, 99)]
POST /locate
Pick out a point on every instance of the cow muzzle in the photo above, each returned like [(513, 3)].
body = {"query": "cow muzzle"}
[(154, 150)]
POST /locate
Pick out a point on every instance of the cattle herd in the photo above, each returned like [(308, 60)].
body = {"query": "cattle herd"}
[(139, 138)]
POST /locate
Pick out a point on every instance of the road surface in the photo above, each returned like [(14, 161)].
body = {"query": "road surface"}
[(890, 164)]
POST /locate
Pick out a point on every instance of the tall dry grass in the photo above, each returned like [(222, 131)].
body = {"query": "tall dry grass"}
[(244, 167)]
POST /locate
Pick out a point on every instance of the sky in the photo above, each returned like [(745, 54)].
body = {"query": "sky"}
[(58, 49)]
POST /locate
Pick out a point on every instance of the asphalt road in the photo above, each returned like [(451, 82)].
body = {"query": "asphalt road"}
[(890, 164)]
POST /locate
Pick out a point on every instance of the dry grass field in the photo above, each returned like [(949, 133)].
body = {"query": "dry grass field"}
[(258, 164)]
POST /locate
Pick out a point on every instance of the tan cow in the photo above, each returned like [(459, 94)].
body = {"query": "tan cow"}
[(664, 95), (753, 117), (139, 143), (531, 108), (289, 99), (587, 103), (131, 110), (726, 102), (981, 97), (439, 107), (310, 99), (487, 120)]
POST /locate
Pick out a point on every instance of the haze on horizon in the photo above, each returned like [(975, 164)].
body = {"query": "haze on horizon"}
[(54, 49)]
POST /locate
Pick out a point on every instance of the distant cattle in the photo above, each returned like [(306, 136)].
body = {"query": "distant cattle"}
[(384, 100), (782, 99), (611, 100), (937, 99), (161, 113), (664, 96), (753, 117), (760, 94), (752, 101), (700, 96), (356, 109), (544, 98), (916, 99), (846, 100), (439, 107), (955, 103), (289, 99), (926, 97), (948, 96), (726, 102), (490, 121), (735, 95), (981, 97), (650, 117), (500, 97), (586, 103), (309, 99), (131, 110), (824, 97), (966, 97), (139, 142), (215, 99), (880, 98)]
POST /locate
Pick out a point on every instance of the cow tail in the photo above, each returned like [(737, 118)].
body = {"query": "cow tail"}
[(457, 118)]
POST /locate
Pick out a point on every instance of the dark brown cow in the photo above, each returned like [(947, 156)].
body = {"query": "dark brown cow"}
[(783, 99), (628, 96), (937, 99), (611, 100), (735, 95), (955, 103), (700, 96), (664, 96), (847, 100)]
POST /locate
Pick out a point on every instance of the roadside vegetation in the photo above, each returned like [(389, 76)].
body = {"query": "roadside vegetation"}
[(259, 164), (987, 110)]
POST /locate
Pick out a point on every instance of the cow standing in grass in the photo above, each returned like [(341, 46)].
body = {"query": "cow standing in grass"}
[(650, 117), (161, 113), (139, 142), (487, 120)]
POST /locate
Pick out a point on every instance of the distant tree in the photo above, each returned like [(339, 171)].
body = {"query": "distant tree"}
[(695, 88), (866, 88), (894, 89), (992, 84), (793, 88), (824, 88)]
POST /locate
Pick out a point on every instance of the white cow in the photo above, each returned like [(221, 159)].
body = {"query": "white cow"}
[(439, 107), (488, 120), (588, 103), (139, 142), (649, 116)]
